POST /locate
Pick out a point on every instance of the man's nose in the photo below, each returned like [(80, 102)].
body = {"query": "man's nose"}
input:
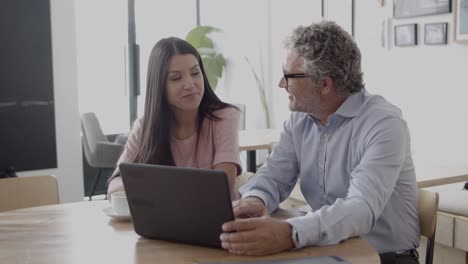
[(282, 83)]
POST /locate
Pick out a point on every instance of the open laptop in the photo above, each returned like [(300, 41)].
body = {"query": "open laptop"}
[(177, 204)]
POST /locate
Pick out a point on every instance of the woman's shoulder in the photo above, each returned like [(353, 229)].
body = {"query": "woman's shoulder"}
[(228, 119), (137, 125), (229, 112)]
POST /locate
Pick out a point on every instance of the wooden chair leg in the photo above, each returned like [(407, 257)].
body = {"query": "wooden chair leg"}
[(430, 250)]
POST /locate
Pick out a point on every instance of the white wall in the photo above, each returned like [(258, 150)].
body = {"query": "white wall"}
[(429, 84), (241, 37), (101, 40), (70, 169), (286, 16), (154, 23)]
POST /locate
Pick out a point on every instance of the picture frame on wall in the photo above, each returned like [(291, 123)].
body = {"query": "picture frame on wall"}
[(435, 33), (461, 21), (411, 8), (406, 35)]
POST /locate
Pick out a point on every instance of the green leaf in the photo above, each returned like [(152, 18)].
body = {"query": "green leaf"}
[(198, 36), (213, 61), (219, 62), (214, 69)]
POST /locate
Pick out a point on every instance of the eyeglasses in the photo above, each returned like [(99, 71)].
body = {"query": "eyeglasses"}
[(293, 75)]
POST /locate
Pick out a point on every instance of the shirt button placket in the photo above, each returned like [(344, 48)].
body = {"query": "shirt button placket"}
[(322, 152), (325, 137)]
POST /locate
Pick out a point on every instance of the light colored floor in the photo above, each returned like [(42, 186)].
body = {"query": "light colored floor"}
[(442, 254)]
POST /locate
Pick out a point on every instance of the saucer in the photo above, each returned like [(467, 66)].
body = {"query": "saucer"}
[(109, 212)]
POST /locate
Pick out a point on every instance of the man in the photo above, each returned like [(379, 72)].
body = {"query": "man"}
[(351, 151)]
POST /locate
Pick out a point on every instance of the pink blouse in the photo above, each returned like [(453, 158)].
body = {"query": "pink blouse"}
[(218, 143)]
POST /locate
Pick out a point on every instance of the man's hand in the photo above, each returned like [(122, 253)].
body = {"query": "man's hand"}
[(256, 236), (249, 207)]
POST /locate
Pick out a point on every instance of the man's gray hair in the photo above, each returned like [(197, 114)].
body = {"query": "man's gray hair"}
[(328, 51)]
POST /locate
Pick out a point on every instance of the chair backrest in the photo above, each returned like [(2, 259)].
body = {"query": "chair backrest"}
[(428, 204), (92, 134), (23, 192)]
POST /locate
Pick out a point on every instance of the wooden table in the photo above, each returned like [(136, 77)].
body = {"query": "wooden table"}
[(81, 233), (438, 172), (253, 140)]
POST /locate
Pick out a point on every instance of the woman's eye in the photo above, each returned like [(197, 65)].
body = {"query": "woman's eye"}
[(174, 78), (195, 73)]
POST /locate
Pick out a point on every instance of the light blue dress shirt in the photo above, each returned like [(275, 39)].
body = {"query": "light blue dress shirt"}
[(356, 173)]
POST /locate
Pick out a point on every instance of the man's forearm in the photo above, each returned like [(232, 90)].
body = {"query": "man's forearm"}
[(331, 224)]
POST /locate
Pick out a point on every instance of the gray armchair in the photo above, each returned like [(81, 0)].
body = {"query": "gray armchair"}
[(99, 152)]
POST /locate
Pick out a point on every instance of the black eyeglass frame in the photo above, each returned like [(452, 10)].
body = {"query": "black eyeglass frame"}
[(287, 76)]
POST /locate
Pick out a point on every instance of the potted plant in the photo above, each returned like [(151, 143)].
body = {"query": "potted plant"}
[(261, 89), (213, 60)]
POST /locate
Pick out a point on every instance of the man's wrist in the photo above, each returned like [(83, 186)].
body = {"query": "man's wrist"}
[(256, 198), (294, 236)]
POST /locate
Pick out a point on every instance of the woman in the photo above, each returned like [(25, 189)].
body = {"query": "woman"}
[(185, 124)]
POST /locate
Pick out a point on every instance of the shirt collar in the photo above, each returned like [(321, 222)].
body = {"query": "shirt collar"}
[(352, 106)]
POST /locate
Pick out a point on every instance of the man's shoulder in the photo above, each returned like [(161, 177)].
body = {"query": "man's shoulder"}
[(377, 107)]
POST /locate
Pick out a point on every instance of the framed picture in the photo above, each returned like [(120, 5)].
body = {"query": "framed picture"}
[(406, 35), (461, 21), (411, 8), (435, 33)]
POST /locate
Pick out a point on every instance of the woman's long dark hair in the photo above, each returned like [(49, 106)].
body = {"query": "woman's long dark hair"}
[(154, 146)]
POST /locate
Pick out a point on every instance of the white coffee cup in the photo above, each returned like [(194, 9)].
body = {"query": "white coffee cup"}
[(119, 203)]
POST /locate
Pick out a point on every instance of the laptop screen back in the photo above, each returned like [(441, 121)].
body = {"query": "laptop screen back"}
[(177, 204)]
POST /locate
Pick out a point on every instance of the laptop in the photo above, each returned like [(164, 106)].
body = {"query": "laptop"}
[(183, 205)]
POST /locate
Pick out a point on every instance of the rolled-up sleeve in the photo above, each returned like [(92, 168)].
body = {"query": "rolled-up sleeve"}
[(275, 180), (131, 147), (226, 138)]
